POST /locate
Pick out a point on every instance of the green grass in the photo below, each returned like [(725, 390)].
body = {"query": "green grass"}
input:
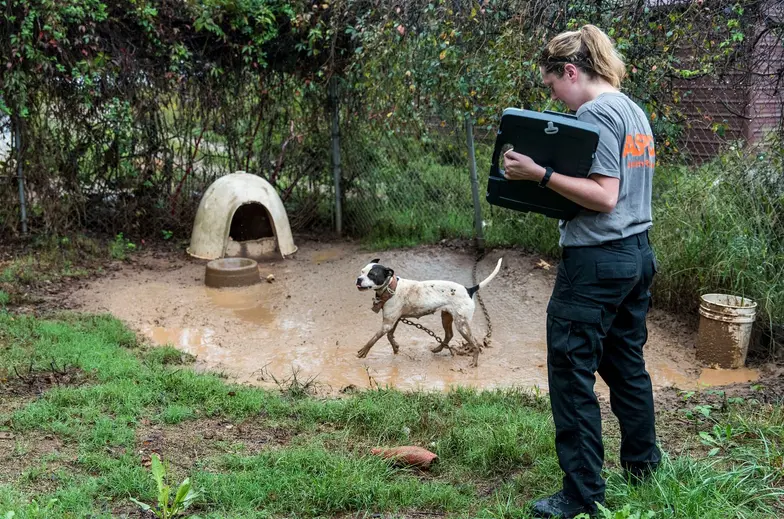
[(495, 447)]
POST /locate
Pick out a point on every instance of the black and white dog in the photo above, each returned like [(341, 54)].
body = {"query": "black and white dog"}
[(399, 298)]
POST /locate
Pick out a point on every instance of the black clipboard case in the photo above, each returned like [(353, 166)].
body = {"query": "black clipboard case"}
[(552, 139)]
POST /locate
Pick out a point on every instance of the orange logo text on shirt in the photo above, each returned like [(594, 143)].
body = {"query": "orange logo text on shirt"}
[(634, 147)]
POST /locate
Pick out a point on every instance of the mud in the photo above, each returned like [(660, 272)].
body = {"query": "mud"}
[(205, 438), (25, 382), (311, 321), (721, 344), (21, 453)]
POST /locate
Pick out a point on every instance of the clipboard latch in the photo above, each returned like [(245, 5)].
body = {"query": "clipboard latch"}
[(551, 129)]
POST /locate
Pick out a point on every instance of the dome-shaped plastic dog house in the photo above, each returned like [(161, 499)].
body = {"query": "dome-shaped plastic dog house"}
[(240, 215)]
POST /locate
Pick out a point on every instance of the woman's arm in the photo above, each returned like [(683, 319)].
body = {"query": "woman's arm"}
[(597, 192)]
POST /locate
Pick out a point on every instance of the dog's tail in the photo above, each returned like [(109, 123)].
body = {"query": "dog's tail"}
[(474, 289)]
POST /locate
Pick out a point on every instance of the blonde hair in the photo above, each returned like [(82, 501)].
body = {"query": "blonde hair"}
[(588, 48)]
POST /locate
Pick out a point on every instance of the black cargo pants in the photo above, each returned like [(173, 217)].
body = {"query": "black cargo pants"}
[(596, 322)]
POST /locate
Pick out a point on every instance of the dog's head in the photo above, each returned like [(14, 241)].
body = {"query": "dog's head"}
[(373, 275)]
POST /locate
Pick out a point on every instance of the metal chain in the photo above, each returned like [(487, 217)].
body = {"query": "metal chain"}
[(417, 325), (488, 336)]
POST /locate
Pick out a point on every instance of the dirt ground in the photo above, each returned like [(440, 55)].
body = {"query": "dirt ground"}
[(311, 320)]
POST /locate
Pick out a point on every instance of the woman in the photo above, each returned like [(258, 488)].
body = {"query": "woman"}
[(597, 312)]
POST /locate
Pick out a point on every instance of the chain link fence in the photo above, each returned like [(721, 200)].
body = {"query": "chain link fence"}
[(413, 185)]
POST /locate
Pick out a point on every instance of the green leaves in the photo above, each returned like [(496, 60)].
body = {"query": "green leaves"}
[(184, 497), (141, 505), (158, 474), (86, 51)]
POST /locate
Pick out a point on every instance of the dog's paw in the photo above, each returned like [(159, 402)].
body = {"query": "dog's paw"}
[(463, 349), (362, 354)]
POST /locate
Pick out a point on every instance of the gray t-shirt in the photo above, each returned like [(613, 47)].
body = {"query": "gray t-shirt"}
[(625, 151)]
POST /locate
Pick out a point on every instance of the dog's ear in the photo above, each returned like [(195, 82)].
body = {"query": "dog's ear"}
[(389, 273), (375, 260)]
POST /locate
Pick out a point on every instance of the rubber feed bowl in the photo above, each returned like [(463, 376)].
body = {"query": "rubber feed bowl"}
[(232, 272)]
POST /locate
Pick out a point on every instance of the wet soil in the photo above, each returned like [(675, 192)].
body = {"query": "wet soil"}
[(38, 456), (188, 444), (26, 382), (311, 320)]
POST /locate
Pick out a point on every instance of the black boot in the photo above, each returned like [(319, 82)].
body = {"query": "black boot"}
[(559, 505)]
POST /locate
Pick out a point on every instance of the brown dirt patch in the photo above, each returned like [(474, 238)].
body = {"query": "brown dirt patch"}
[(131, 511), (189, 443), (768, 389), (192, 443), (31, 461), (407, 514), (679, 420), (49, 284), (26, 382)]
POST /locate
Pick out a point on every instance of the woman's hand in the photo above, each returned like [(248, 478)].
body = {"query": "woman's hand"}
[(597, 192), (521, 167)]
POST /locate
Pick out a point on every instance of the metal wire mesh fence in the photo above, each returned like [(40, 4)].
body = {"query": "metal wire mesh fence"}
[(414, 186)]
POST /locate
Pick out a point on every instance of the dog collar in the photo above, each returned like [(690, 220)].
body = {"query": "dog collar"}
[(385, 293)]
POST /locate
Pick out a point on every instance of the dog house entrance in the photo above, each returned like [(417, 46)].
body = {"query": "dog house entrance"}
[(241, 215), (251, 234)]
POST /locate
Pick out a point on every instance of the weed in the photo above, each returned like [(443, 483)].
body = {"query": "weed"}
[(168, 507), (119, 248)]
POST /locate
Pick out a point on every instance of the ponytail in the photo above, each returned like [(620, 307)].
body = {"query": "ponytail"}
[(607, 63), (590, 49)]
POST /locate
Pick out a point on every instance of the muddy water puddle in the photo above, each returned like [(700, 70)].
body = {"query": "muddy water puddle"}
[(247, 304), (723, 377), (311, 321), (200, 344), (328, 254), (197, 342)]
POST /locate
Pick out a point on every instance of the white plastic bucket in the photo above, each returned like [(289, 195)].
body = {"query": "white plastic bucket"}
[(725, 330)]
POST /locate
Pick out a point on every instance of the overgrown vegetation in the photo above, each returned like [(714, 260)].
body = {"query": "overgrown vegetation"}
[(81, 450), (128, 110), (720, 227), (30, 269)]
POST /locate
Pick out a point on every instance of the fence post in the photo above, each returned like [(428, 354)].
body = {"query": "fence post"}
[(17, 131), (480, 239), (335, 105)]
